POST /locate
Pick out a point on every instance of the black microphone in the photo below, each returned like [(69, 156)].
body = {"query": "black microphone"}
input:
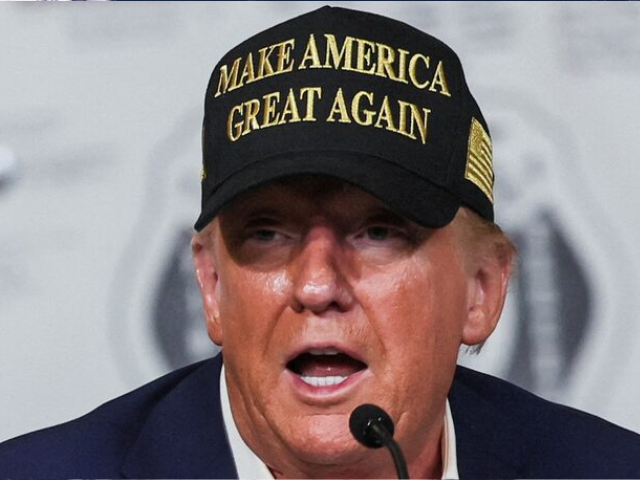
[(373, 428)]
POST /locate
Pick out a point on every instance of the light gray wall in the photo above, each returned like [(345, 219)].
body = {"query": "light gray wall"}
[(100, 115)]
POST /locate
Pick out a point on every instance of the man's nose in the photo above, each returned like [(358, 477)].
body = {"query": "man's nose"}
[(320, 273)]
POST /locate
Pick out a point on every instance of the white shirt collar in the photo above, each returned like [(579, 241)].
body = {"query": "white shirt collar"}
[(248, 465)]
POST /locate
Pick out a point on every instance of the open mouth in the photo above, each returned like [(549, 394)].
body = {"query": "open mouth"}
[(324, 367)]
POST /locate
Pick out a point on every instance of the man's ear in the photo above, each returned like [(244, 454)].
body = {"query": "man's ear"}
[(486, 296), (207, 277)]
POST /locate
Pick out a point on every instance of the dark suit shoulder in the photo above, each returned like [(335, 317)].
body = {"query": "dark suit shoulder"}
[(539, 438), (92, 445)]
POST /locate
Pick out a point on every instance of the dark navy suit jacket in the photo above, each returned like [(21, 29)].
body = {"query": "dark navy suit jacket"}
[(173, 428)]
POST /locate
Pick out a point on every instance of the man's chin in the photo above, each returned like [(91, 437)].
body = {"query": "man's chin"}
[(325, 440)]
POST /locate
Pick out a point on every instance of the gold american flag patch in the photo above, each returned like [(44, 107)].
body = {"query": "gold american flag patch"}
[(479, 169)]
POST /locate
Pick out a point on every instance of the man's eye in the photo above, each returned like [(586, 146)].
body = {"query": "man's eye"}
[(264, 235), (378, 233)]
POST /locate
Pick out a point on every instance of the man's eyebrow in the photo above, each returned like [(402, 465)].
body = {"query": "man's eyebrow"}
[(384, 215), (260, 218), (252, 207), (387, 217)]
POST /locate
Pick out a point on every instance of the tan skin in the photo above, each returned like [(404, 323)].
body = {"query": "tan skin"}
[(311, 262)]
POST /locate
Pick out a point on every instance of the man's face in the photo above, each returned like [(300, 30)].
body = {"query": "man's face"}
[(323, 299)]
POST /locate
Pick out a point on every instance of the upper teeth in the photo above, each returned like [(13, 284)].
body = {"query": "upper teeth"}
[(323, 351), (323, 381)]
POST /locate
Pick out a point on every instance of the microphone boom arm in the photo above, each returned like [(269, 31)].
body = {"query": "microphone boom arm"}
[(387, 440)]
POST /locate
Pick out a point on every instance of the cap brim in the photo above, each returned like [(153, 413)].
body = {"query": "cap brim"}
[(402, 191)]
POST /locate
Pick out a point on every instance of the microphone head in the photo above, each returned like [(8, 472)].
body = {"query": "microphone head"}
[(361, 420)]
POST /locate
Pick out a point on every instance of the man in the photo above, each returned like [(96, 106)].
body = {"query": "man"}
[(345, 251)]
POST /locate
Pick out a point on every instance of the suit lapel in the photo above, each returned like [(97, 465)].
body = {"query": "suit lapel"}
[(184, 436)]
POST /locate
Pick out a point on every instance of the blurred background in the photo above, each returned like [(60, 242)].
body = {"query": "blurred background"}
[(100, 117)]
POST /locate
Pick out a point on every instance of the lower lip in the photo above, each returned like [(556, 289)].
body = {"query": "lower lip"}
[(329, 392)]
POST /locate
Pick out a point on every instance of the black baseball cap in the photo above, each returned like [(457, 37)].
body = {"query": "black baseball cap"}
[(353, 95)]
